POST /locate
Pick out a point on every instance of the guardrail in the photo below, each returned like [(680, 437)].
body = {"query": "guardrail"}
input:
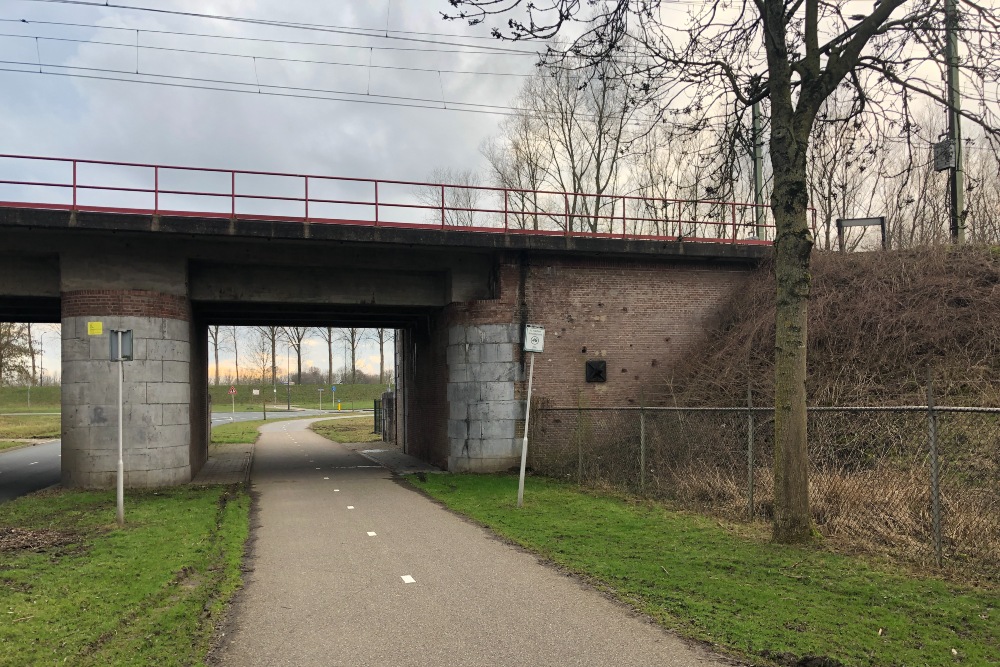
[(169, 190)]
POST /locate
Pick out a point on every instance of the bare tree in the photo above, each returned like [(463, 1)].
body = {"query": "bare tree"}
[(352, 337), (233, 333), (214, 340), (294, 336), (456, 200), (271, 334), (261, 354), (380, 337), (327, 334), (790, 55)]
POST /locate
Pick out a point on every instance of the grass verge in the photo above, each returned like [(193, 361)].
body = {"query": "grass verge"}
[(348, 430), (241, 432), (351, 396), (30, 426), (728, 586), (33, 399), (76, 589), (8, 444)]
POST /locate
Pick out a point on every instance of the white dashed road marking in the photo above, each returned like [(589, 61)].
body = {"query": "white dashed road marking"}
[(407, 579), (350, 507), (371, 534)]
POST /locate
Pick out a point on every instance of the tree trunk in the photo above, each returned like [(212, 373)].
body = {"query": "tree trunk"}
[(274, 368), (789, 202), (354, 366), (216, 346), (31, 351), (381, 356), (329, 355), (236, 356), (298, 368)]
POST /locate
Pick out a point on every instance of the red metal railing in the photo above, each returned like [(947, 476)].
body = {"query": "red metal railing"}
[(133, 188)]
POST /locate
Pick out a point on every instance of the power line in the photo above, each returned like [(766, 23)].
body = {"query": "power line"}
[(256, 56), (276, 24), (267, 40), (268, 89)]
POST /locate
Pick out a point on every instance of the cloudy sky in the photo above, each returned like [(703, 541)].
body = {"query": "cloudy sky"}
[(391, 58)]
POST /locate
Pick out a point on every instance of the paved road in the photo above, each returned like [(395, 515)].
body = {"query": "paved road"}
[(349, 567), (28, 469), (32, 468)]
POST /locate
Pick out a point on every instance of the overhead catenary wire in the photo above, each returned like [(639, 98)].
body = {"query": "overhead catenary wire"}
[(278, 24), (305, 61), (266, 89), (473, 50)]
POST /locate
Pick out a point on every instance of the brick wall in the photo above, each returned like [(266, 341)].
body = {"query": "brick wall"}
[(125, 303), (640, 317)]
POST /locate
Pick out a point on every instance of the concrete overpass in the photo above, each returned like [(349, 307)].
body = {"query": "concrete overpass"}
[(460, 295)]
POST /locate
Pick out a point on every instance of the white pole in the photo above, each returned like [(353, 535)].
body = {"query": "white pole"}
[(524, 443), (121, 456), (321, 400), (234, 406)]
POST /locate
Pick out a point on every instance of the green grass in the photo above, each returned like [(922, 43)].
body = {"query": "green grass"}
[(30, 426), (348, 430), (146, 594), (7, 444), (729, 586), (241, 432), (42, 399), (351, 396)]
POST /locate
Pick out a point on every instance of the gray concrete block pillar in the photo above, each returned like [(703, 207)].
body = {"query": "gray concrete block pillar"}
[(149, 296), (482, 412)]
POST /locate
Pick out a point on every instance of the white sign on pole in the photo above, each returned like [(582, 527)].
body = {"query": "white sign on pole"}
[(534, 338), (256, 392)]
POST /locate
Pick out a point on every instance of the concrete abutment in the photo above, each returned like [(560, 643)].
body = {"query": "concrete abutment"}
[(163, 444)]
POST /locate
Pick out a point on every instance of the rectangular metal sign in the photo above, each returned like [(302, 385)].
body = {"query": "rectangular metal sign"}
[(126, 351), (944, 155), (534, 338)]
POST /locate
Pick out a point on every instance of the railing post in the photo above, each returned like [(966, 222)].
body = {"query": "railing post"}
[(566, 203), (750, 462), (506, 227), (442, 206), (734, 222), (935, 471), (376, 203), (233, 195), (156, 190), (74, 185), (624, 230), (307, 197)]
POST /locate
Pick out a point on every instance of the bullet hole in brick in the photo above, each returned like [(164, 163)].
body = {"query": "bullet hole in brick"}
[(654, 363), (564, 329), (600, 305), (625, 309), (667, 339), (624, 370), (636, 377), (584, 350)]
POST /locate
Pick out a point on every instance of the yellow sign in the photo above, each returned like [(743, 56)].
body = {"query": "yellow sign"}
[(95, 328)]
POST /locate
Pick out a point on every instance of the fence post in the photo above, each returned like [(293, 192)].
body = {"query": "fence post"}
[(750, 463), (935, 472), (642, 442), (579, 444)]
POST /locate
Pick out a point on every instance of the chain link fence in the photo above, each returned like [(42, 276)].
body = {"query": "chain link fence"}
[(910, 482)]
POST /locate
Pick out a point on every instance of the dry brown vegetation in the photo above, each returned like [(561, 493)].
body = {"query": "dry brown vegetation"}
[(875, 321)]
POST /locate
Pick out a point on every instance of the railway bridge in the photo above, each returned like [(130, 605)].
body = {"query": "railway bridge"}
[(625, 283)]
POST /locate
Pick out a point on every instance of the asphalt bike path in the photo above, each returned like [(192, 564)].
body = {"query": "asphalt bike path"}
[(350, 567)]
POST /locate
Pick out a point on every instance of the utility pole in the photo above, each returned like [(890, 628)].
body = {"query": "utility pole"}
[(954, 123), (758, 177)]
